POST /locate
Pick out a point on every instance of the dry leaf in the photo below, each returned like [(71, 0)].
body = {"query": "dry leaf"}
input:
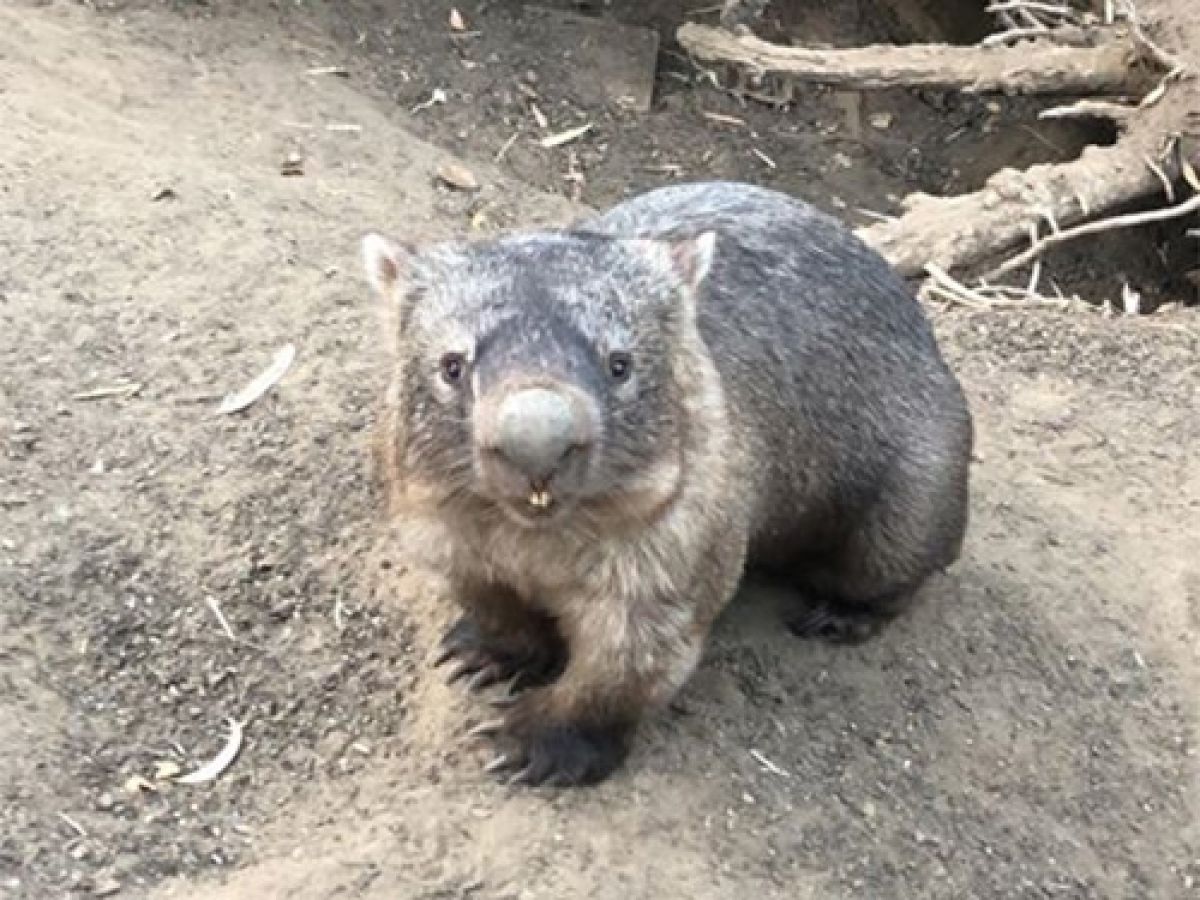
[(565, 137), (221, 761), (255, 389), (456, 20), (457, 176)]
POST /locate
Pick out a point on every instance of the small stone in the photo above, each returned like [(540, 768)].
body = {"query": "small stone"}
[(105, 802)]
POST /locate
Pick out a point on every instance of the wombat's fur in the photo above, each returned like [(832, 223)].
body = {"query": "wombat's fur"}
[(610, 422)]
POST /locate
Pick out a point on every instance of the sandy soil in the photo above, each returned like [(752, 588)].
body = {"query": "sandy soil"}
[(1030, 730)]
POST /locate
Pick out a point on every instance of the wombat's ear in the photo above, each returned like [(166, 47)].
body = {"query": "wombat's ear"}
[(386, 262), (687, 260), (691, 258)]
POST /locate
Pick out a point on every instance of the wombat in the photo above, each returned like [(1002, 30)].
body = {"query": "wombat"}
[(612, 421)]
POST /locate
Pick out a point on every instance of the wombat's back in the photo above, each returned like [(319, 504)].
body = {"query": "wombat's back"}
[(830, 368)]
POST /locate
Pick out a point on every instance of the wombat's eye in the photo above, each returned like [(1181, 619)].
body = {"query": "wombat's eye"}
[(453, 367), (620, 366)]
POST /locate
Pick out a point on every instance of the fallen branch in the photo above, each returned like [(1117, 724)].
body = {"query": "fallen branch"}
[(1041, 67), (956, 231)]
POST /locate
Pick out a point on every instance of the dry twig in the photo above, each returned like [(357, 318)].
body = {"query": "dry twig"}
[(1132, 220)]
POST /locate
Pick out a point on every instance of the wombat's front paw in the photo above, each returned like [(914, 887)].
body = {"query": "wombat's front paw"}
[(835, 622), (489, 659), (563, 754)]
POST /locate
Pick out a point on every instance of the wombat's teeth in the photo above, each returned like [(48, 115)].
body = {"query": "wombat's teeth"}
[(540, 499)]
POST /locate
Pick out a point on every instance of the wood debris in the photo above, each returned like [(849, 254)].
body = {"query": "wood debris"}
[(115, 390), (565, 137)]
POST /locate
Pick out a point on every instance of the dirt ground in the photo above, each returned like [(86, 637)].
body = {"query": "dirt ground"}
[(1030, 730)]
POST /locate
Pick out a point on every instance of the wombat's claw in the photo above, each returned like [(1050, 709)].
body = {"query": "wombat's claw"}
[(460, 671), (486, 729), (489, 659), (509, 693), (504, 701), (481, 679), (497, 764), (525, 776)]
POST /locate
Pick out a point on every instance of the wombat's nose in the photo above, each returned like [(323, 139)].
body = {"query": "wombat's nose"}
[(535, 429)]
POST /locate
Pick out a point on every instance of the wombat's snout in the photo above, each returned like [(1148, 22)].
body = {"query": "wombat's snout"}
[(536, 430)]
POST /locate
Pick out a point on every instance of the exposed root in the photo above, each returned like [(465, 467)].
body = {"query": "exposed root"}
[(941, 286), (957, 231), (1041, 245), (1091, 109), (1046, 47), (1044, 68), (1065, 35)]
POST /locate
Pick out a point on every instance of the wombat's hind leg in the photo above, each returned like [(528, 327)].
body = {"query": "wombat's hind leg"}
[(527, 653), (914, 530)]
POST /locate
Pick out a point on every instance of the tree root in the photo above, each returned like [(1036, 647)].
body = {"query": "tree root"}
[(1041, 67), (1047, 205), (953, 232)]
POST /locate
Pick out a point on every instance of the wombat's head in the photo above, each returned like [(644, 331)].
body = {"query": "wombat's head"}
[(539, 373)]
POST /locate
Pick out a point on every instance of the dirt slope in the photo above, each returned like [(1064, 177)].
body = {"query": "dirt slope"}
[(1030, 730)]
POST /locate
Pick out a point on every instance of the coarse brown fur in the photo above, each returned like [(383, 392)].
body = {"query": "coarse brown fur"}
[(604, 611)]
